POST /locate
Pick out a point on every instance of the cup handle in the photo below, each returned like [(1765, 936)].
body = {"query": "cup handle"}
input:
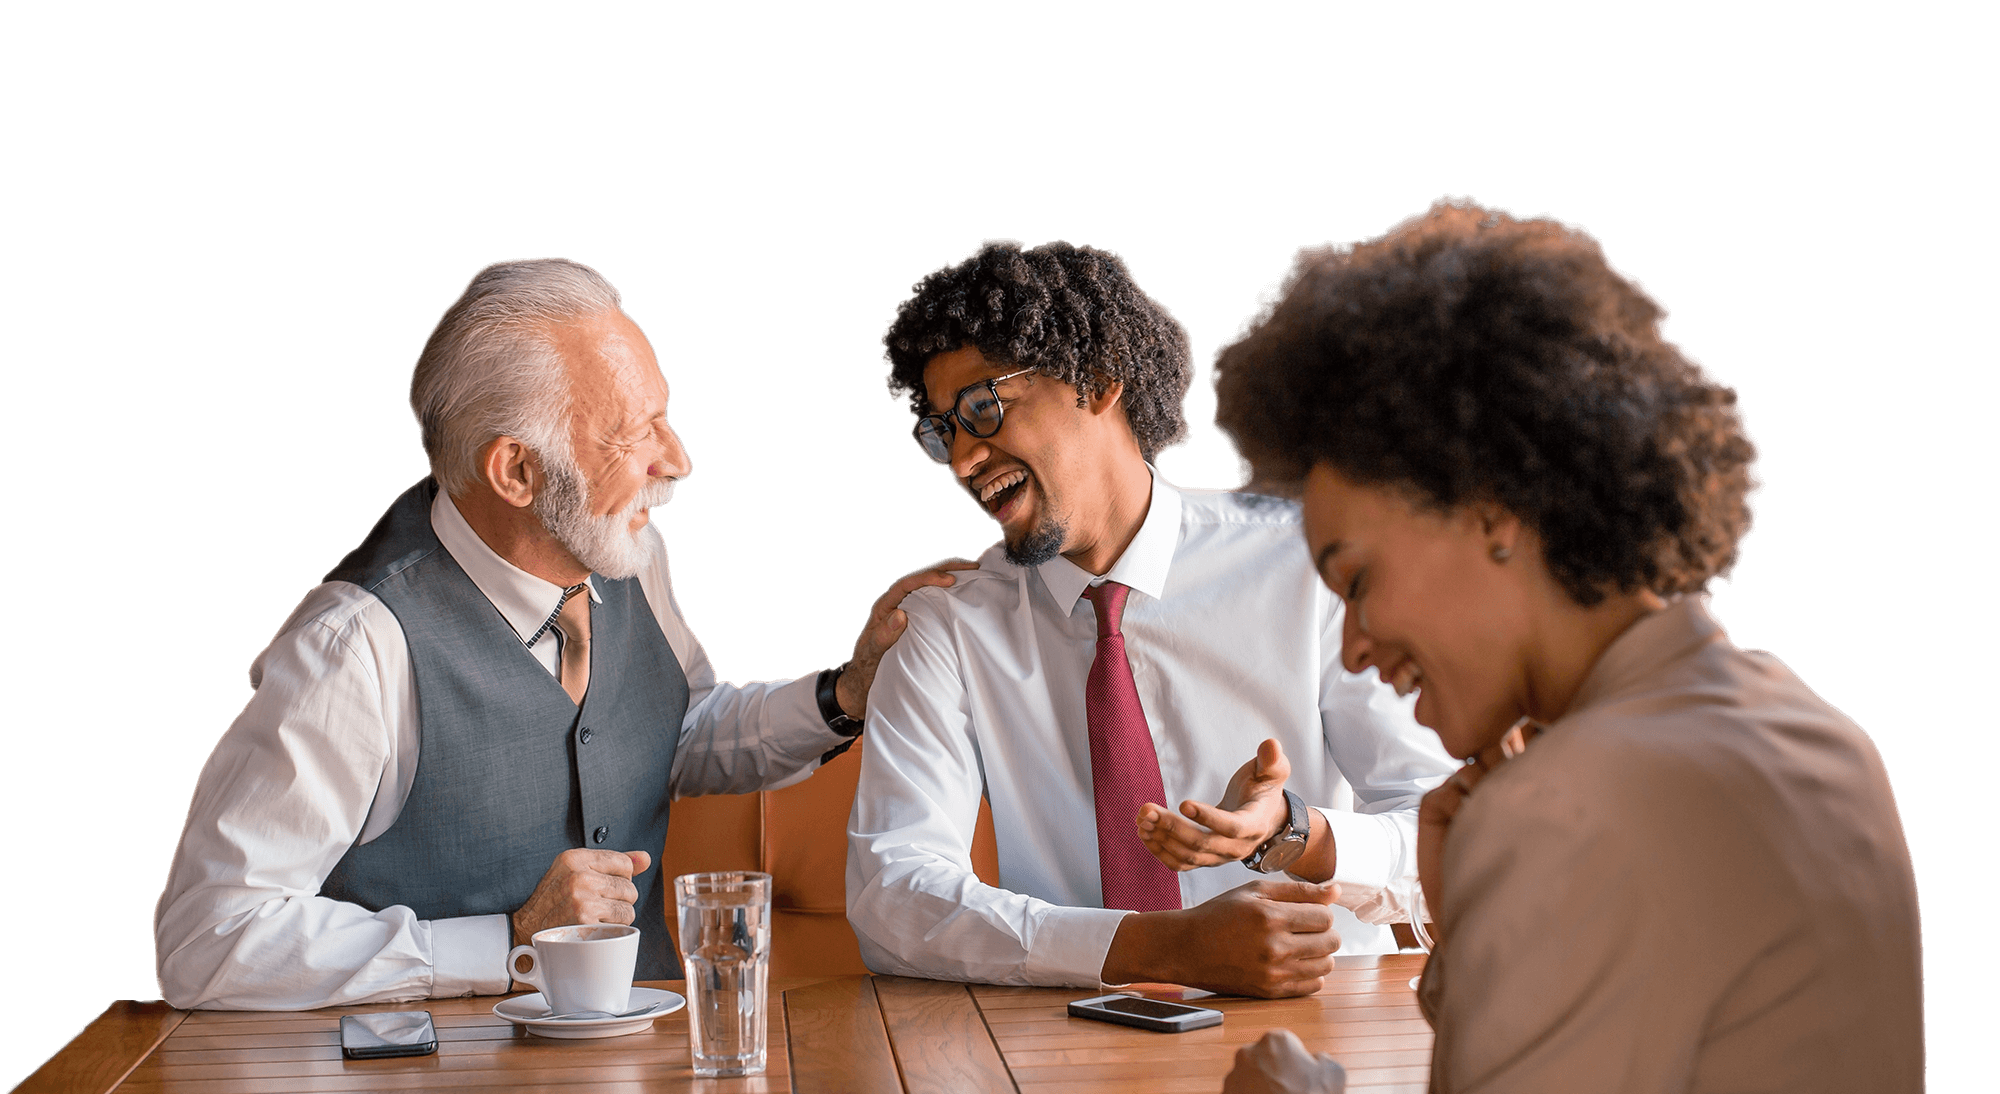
[(534, 973)]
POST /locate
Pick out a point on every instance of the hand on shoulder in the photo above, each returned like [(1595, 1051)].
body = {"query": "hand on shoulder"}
[(886, 622)]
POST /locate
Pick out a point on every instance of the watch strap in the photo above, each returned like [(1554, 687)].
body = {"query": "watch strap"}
[(828, 694)]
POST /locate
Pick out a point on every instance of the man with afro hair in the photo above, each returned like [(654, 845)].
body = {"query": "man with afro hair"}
[(1115, 657)]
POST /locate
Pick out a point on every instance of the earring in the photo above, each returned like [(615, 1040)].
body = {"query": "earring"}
[(1501, 554)]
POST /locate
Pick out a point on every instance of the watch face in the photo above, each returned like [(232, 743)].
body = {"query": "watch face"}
[(1281, 855)]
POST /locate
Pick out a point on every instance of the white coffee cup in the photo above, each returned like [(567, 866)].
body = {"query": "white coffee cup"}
[(584, 967)]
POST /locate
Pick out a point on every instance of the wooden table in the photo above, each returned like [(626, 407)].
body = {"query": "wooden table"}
[(856, 1033)]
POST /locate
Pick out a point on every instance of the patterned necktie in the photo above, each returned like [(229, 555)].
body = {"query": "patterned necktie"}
[(1124, 769), (573, 620)]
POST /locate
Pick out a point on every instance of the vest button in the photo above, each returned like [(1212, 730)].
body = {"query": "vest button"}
[(584, 735), (601, 834)]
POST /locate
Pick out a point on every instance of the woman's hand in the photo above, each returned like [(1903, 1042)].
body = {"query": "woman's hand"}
[(1440, 806), (1280, 1064)]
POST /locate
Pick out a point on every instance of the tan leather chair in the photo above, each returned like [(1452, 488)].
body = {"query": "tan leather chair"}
[(798, 835)]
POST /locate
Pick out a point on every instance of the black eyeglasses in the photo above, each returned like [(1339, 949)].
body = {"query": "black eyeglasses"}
[(977, 409)]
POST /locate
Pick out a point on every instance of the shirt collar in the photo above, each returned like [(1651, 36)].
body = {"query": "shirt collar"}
[(524, 600), (1146, 560)]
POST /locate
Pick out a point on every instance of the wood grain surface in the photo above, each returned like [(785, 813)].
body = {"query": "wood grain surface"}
[(843, 1034), (1366, 1017), (838, 1042), (217, 1052), (106, 1051), (940, 1038)]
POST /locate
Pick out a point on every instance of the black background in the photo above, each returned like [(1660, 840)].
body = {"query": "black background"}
[(229, 375)]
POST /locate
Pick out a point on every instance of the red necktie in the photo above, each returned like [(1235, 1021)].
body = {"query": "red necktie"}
[(1124, 769)]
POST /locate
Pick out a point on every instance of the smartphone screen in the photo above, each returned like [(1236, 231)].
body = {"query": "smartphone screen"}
[(395, 1033)]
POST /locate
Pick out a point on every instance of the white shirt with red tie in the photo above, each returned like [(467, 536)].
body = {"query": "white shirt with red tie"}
[(1231, 637)]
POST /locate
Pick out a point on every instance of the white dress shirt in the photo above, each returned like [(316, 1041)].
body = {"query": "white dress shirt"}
[(1231, 638), (1689, 782), (323, 757)]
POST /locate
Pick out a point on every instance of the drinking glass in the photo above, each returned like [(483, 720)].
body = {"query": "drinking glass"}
[(725, 923), (1419, 914)]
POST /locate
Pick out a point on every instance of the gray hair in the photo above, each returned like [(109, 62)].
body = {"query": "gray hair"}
[(491, 369)]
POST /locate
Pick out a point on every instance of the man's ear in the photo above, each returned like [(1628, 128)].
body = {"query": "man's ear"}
[(510, 470)]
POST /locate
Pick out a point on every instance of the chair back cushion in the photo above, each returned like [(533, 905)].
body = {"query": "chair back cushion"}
[(798, 835)]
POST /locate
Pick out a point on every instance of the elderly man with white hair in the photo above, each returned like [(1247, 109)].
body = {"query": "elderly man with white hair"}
[(473, 729)]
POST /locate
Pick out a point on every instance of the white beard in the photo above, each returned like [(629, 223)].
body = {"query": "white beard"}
[(607, 545)]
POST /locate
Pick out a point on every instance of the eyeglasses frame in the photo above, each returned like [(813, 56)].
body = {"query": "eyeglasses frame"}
[(951, 420)]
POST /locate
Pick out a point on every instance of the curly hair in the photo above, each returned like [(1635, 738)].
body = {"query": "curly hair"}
[(1468, 356), (1070, 313)]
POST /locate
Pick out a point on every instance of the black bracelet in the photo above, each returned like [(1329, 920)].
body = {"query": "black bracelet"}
[(829, 704)]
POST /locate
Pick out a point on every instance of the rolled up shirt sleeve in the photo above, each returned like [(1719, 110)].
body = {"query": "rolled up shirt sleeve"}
[(916, 904)]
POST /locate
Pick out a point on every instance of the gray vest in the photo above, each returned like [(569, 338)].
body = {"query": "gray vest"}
[(511, 773)]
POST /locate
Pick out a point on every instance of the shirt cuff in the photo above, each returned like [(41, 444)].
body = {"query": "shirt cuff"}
[(1070, 944), (800, 699), (469, 956), (1363, 855)]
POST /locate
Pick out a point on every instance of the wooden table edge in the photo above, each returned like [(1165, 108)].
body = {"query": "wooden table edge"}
[(98, 1059)]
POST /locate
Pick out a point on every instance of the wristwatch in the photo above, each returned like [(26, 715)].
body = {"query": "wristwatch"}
[(836, 719), (1284, 848)]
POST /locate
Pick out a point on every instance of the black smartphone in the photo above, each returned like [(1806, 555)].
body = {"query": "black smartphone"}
[(1153, 1014), (395, 1033)]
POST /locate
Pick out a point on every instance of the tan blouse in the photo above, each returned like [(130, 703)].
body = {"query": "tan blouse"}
[(1691, 784)]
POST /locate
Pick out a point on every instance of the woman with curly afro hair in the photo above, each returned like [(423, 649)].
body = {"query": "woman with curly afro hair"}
[(1667, 865)]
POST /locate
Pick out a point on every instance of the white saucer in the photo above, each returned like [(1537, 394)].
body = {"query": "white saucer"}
[(529, 1010)]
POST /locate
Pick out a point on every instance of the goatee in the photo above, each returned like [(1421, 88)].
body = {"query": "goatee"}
[(1041, 543)]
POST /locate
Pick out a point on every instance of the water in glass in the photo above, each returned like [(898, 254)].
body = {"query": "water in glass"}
[(726, 946)]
